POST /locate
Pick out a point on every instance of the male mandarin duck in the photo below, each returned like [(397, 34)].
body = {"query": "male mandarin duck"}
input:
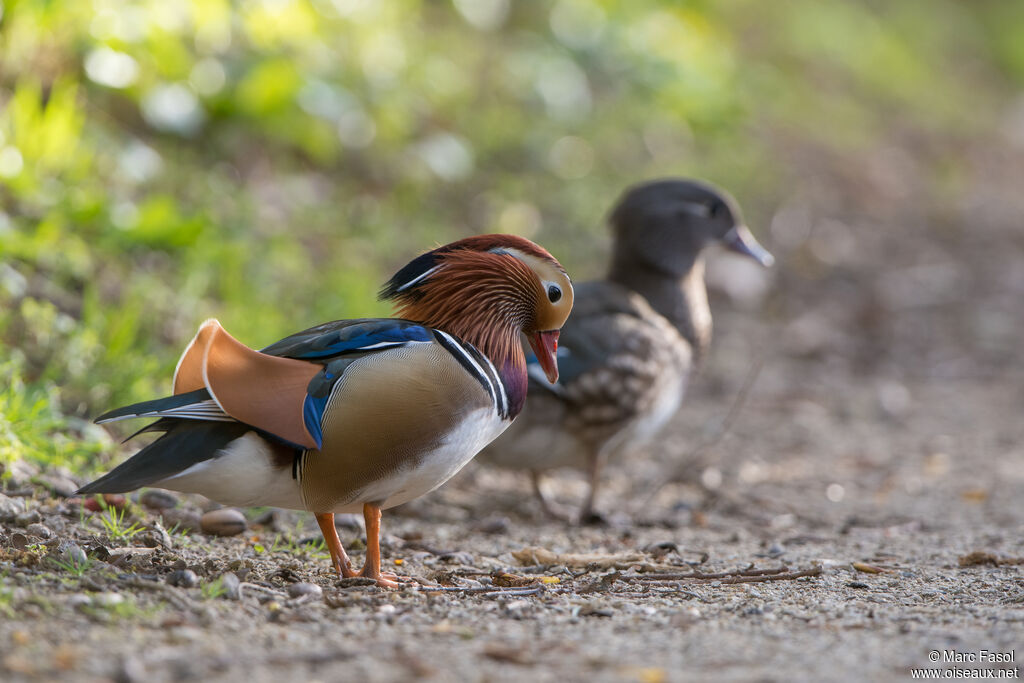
[(634, 337), (359, 414)]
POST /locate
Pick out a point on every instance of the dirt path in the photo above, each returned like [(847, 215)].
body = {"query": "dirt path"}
[(822, 469)]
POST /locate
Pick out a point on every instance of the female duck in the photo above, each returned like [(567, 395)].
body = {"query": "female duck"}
[(634, 338)]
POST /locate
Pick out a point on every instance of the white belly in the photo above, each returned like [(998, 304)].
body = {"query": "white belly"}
[(664, 405), (242, 474)]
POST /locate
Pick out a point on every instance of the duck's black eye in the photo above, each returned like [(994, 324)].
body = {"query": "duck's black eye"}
[(554, 293)]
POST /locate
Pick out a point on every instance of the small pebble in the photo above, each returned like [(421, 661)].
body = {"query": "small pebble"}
[(179, 520), (158, 499), (494, 525), (132, 670), (231, 585), (187, 634), (685, 618), (75, 554), (183, 578), (223, 522), (157, 537), (108, 599), (348, 521), (115, 500), (79, 600), (10, 508), (594, 611), (355, 582), (40, 530), (661, 548), (297, 590), (62, 486), (19, 472), (26, 518), (457, 557)]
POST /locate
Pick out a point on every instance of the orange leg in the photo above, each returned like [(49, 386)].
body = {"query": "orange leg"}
[(371, 568), (338, 556)]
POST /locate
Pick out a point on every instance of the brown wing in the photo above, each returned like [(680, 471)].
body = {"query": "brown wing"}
[(264, 391)]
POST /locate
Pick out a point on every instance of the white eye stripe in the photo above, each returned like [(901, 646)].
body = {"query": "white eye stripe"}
[(532, 262), (418, 278), (697, 209)]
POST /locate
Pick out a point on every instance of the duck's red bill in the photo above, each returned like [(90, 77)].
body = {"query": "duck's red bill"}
[(544, 345)]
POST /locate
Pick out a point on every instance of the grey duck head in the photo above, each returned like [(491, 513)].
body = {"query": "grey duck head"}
[(663, 226)]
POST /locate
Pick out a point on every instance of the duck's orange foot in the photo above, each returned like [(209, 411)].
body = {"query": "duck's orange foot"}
[(386, 579), (398, 578)]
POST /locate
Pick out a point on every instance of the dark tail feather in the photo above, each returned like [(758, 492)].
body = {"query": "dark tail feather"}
[(155, 406), (164, 424), (186, 443)]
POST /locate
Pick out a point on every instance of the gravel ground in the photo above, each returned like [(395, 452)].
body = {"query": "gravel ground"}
[(884, 488)]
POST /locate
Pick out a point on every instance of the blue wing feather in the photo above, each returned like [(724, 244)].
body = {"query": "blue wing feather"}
[(336, 344), (313, 414), (348, 336)]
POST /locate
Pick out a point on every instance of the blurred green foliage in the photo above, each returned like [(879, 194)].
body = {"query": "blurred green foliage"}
[(270, 162)]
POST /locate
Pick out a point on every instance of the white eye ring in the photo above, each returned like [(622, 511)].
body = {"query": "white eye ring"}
[(553, 291)]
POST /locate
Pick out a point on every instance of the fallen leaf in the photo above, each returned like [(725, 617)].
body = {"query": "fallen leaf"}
[(649, 674), (974, 495), (504, 653), (981, 557), (869, 568), (444, 626), (506, 580)]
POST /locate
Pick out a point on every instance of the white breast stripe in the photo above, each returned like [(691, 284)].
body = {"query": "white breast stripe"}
[(502, 396), (492, 390)]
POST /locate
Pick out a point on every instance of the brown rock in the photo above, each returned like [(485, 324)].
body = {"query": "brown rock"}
[(158, 499), (40, 530), (179, 520), (298, 590), (223, 522), (232, 586), (183, 578)]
